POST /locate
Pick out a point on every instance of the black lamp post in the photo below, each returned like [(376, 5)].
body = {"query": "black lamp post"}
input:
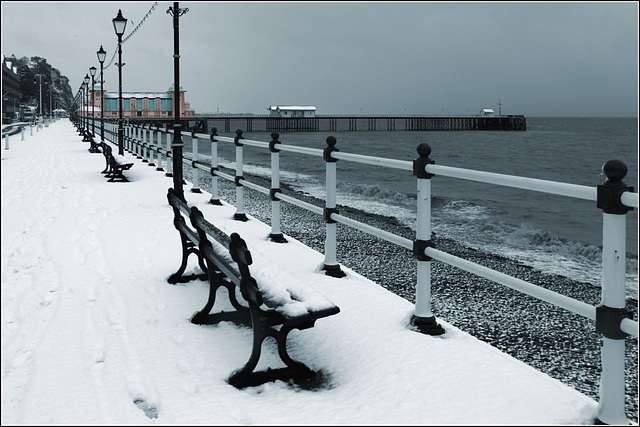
[(86, 98), (76, 107), (40, 76), (102, 55), (119, 24), (176, 145), (92, 72), (84, 130), (81, 100)]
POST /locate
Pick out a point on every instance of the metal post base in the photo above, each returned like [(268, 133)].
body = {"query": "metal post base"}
[(334, 271), (240, 217), (278, 238), (427, 325)]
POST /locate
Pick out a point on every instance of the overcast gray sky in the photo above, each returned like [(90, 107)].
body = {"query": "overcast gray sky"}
[(540, 59)]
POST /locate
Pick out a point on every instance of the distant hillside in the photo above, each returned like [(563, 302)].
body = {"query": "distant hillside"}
[(29, 85)]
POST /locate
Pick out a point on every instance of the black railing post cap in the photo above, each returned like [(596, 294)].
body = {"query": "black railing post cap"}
[(238, 137), (614, 170), (331, 141), (609, 193), (274, 141), (424, 150)]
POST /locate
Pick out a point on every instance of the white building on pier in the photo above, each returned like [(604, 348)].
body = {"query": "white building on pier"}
[(292, 111)]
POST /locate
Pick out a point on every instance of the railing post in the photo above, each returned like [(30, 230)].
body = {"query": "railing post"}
[(143, 142), (127, 143), (132, 140), (423, 318), (169, 140), (158, 137), (6, 141), (214, 167), (22, 133), (135, 141), (239, 215), (30, 129), (276, 233), (331, 266), (150, 146), (194, 158), (140, 142), (612, 309)]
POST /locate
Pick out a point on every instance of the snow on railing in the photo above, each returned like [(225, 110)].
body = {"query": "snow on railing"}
[(612, 319)]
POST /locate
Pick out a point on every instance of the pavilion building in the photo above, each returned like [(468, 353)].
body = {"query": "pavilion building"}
[(140, 104)]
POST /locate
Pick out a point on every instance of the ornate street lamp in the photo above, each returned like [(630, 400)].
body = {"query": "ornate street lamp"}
[(102, 55), (176, 145), (92, 72), (119, 24)]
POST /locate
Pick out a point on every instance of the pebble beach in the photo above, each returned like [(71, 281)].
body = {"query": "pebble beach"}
[(552, 340)]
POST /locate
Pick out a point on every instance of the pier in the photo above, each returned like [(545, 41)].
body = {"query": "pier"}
[(345, 123)]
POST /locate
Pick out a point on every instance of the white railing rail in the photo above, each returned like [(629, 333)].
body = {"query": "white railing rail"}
[(613, 197)]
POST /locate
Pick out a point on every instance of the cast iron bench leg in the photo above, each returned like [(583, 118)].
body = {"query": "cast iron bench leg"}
[(204, 317), (246, 377), (188, 247)]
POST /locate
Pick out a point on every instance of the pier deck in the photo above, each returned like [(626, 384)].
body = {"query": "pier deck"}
[(340, 123)]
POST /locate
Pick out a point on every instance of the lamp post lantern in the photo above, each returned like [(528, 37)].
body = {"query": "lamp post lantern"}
[(176, 146), (119, 24), (102, 55), (92, 72)]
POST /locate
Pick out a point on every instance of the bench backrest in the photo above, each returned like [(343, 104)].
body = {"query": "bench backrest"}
[(108, 153), (229, 253), (288, 296)]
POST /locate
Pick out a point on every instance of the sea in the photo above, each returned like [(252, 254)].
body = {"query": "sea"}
[(553, 234)]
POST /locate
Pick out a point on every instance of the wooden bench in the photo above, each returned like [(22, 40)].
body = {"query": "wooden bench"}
[(225, 261), (95, 147), (113, 169)]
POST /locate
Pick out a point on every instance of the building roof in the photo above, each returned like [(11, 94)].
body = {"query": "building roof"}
[(292, 107), (139, 95), (487, 110)]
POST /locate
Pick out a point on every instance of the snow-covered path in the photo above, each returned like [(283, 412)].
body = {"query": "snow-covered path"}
[(92, 332)]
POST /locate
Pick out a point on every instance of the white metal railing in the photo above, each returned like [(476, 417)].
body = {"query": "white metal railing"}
[(22, 126), (609, 317)]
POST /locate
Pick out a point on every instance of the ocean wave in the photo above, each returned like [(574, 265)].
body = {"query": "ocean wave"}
[(377, 193), (530, 237)]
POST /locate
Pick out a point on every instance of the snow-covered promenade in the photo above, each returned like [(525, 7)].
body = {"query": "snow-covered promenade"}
[(92, 333)]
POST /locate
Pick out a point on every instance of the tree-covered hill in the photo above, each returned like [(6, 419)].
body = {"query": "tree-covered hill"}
[(56, 91)]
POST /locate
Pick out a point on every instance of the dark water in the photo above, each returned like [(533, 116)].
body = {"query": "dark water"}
[(553, 233)]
